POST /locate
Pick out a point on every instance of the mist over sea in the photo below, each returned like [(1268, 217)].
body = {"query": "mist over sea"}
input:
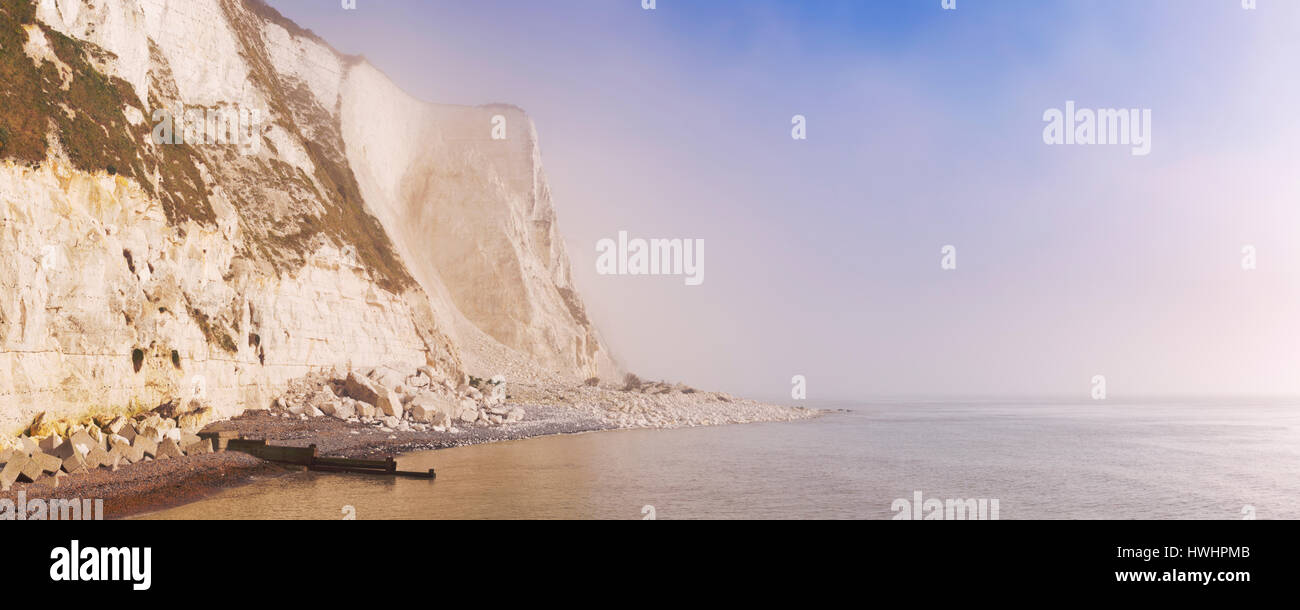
[(1040, 460)]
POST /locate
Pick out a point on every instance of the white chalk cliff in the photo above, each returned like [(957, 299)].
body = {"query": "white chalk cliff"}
[(367, 227)]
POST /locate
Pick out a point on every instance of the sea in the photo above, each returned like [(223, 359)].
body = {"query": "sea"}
[(1190, 459)]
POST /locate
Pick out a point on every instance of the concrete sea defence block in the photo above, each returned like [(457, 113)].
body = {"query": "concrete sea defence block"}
[(46, 462), (13, 470), (169, 449)]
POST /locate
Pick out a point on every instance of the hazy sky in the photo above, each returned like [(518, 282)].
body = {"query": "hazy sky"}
[(925, 128)]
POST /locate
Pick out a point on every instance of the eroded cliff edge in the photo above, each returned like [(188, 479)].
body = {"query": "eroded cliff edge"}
[(366, 228)]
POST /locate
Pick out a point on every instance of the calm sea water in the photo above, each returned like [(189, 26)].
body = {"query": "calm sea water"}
[(1040, 461)]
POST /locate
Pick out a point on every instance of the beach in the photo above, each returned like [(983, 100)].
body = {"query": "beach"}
[(550, 409)]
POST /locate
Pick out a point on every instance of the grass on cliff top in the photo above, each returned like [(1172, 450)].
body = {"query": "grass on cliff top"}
[(90, 123), (24, 114), (88, 118), (345, 219)]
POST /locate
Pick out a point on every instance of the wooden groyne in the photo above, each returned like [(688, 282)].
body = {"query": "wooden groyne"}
[(306, 457)]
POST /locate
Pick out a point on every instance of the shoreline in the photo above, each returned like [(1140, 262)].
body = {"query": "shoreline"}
[(146, 487)]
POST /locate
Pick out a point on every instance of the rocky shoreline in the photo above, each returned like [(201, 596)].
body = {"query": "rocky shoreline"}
[(369, 413)]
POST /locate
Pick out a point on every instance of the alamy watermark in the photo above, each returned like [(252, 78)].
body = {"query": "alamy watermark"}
[(799, 387), (1249, 258), (53, 509), (1129, 127), (651, 257), (219, 126), (920, 508), (113, 564)]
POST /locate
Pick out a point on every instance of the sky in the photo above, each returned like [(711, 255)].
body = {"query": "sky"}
[(924, 129)]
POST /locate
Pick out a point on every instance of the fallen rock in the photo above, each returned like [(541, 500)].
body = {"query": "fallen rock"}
[(116, 425), (361, 388), (189, 406), (390, 403), (168, 410), (515, 415), (339, 410), (468, 411), (496, 390), (100, 438), (430, 373), (197, 419), (43, 426), (433, 409), (367, 391), (390, 377)]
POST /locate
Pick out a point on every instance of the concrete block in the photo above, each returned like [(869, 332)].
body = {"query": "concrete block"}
[(169, 449), (74, 464), (27, 445), (50, 443), (46, 462), (13, 470), (147, 445), (32, 471), (115, 459), (198, 446), (83, 442), (96, 458)]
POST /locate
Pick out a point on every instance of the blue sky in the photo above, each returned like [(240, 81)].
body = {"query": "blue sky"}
[(924, 130)]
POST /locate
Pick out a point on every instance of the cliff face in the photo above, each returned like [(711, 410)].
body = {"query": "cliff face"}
[(472, 216), (355, 225)]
